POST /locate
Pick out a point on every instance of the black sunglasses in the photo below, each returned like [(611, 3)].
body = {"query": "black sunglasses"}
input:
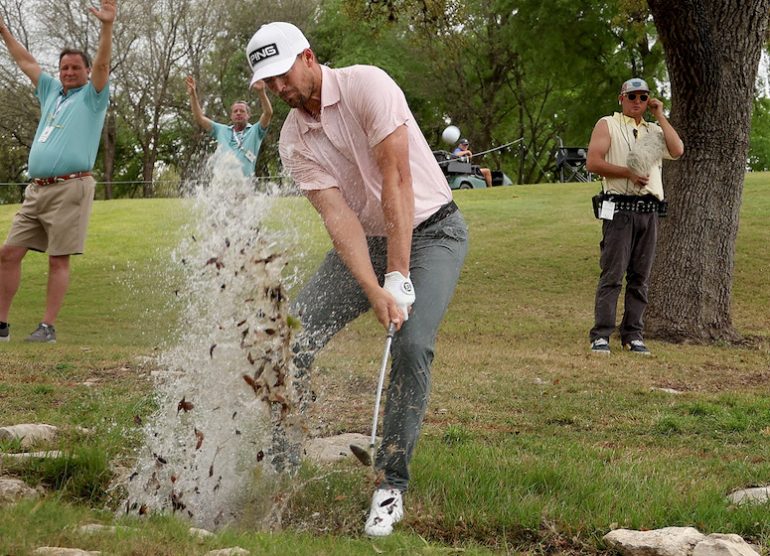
[(632, 96)]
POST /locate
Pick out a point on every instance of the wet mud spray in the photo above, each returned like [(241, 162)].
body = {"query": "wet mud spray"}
[(227, 425)]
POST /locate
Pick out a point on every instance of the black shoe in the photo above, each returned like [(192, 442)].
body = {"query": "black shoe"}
[(5, 332), (600, 346), (637, 346)]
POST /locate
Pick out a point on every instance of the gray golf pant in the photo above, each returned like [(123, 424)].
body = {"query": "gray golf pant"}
[(332, 298), (627, 247)]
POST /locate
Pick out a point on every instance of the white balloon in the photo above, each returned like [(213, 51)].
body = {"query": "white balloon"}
[(451, 135)]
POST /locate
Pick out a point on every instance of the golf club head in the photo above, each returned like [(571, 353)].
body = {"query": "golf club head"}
[(361, 454)]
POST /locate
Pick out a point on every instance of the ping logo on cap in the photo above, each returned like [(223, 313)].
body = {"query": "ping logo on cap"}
[(261, 54)]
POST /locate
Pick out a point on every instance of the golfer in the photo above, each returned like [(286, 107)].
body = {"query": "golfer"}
[(353, 147), (630, 207), (242, 138), (57, 203)]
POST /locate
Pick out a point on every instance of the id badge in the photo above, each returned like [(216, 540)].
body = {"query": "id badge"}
[(249, 156), (608, 210), (46, 133)]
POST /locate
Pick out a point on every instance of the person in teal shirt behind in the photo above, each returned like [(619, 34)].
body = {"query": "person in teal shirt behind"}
[(57, 203), (242, 138)]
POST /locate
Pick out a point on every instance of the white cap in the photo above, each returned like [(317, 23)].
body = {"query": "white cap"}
[(634, 85), (274, 48)]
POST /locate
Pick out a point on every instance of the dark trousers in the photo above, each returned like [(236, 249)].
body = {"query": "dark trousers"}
[(627, 247)]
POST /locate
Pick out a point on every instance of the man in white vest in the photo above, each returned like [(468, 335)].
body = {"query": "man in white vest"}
[(631, 201)]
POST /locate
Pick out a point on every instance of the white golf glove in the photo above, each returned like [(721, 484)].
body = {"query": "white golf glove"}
[(400, 287)]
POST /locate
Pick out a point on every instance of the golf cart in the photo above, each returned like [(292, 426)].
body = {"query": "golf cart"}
[(461, 174)]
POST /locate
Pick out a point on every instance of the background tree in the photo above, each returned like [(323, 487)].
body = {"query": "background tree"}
[(500, 69), (224, 73), (542, 70), (712, 50), (19, 110)]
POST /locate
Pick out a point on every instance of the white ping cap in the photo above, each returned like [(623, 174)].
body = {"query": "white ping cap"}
[(274, 48)]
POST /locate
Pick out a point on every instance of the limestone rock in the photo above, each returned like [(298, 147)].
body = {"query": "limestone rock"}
[(92, 528), (39, 455), (669, 541), (334, 448), (200, 533), (29, 433), (756, 495), (59, 551), (13, 490), (235, 551), (672, 391), (718, 544)]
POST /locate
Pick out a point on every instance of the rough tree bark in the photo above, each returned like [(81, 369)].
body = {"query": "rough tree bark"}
[(712, 49), (109, 143)]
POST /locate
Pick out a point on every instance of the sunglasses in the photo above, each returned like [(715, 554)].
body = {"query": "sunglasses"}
[(632, 96)]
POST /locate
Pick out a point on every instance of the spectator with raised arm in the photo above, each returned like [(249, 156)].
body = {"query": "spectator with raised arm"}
[(240, 137), (57, 203)]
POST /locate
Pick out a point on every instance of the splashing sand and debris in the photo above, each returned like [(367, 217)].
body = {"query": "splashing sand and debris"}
[(228, 394)]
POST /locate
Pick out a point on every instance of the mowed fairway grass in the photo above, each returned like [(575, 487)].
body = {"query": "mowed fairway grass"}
[(530, 444)]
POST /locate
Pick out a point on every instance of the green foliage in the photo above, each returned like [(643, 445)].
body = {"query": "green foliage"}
[(10, 445), (476, 65), (80, 475), (456, 434), (759, 142), (544, 71)]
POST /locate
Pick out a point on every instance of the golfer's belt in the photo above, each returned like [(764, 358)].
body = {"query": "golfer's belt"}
[(637, 203), (438, 216)]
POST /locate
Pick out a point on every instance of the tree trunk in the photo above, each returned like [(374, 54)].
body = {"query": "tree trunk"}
[(148, 168), (109, 141), (712, 50)]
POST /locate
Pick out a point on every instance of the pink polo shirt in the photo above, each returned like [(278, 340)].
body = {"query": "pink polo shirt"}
[(360, 106)]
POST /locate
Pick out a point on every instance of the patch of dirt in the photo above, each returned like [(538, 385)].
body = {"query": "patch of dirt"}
[(341, 405)]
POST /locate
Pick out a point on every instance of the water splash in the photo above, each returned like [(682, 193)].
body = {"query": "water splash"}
[(228, 393)]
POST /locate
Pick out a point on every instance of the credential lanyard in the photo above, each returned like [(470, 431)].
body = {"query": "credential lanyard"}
[(238, 138), (61, 101)]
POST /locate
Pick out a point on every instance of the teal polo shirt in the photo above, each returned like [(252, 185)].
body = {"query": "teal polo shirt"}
[(244, 145), (67, 137)]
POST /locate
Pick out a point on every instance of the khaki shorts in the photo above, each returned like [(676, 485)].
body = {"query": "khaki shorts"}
[(54, 217)]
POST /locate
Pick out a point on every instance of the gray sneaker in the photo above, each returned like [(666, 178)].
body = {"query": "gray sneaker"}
[(45, 333), (5, 332)]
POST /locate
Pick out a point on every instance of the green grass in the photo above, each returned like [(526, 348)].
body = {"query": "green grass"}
[(529, 444)]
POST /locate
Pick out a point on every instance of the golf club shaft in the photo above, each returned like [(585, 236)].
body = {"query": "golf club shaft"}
[(493, 149), (380, 382)]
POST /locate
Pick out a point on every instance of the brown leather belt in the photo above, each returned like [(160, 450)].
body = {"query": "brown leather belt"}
[(57, 179)]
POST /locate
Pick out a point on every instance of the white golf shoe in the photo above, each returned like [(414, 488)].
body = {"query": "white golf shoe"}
[(387, 509)]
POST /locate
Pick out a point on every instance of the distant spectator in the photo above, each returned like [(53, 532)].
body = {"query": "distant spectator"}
[(242, 138), (463, 151)]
